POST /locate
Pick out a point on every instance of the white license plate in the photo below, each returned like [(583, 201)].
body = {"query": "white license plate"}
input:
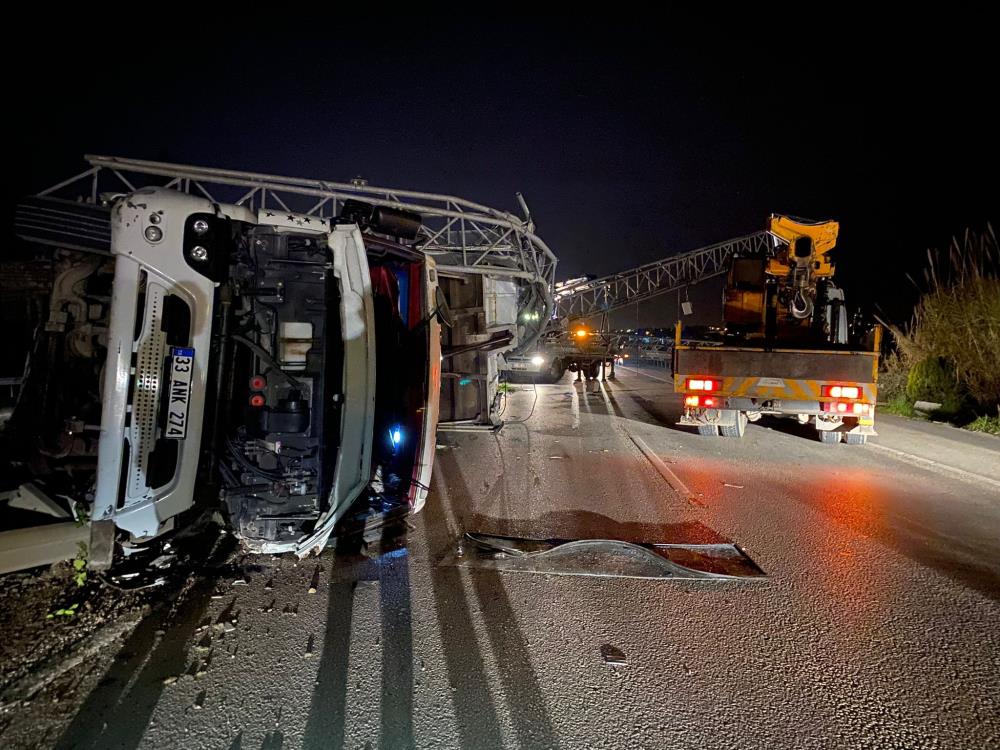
[(179, 396), (515, 365)]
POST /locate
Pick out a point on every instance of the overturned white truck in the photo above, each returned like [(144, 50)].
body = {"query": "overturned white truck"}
[(291, 362)]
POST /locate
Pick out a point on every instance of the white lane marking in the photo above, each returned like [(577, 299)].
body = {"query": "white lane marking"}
[(920, 461), (575, 404), (672, 479), (607, 401)]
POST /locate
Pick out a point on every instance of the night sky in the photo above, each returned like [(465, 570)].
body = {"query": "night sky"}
[(626, 146)]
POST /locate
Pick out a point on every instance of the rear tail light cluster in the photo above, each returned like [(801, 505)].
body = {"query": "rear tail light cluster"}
[(706, 401), (849, 404), (842, 407), (841, 391), (702, 384)]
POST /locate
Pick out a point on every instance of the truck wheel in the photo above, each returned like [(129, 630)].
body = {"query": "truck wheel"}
[(737, 429), (829, 436), (708, 430), (853, 439)]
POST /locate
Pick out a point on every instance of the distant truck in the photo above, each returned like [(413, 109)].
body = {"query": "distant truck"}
[(787, 350), (579, 348)]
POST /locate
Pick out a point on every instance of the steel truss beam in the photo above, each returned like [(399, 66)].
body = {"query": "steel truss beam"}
[(463, 236), (662, 276)]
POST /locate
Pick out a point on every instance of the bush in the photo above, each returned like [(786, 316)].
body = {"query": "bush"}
[(955, 332), (933, 380), (892, 377)]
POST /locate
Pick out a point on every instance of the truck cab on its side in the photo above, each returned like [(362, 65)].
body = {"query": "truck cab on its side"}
[(285, 363)]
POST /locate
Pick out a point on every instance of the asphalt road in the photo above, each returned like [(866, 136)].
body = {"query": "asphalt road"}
[(876, 626)]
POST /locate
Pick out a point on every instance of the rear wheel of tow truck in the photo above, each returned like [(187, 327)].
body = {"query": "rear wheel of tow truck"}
[(737, 429), (852, 438), (708, 430), (831, 437)]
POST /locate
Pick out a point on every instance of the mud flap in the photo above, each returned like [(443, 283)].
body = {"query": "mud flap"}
[(603, 558)]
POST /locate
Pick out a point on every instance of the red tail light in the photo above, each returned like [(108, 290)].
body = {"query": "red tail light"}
[(256, 400), (841, 391), (258, 383), (843, 407), (706, 401), (702, 384)]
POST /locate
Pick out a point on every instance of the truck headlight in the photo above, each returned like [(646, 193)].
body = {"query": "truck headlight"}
[(537, 361)]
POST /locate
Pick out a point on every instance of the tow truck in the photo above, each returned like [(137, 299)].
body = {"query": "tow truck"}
[(578, 347), (788, 349)]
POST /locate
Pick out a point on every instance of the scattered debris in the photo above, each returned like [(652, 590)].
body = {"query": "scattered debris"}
[(199, 702), (613, 657), (735, 486), (314, 584), (555, 457), (309, 646), (170, 680)]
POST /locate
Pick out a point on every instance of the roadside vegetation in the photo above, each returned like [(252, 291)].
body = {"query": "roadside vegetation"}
[(949, 354)]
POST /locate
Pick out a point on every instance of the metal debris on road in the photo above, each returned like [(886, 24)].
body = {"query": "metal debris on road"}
[(613, 657), (610, 558), (735, 486)]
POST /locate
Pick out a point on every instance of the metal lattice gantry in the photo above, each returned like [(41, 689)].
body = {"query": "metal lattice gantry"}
[(463, 236), (638, 284)]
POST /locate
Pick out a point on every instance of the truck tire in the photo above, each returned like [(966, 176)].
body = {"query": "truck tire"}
[(708, 430), (737, 430), (854, 439), (831, 437)]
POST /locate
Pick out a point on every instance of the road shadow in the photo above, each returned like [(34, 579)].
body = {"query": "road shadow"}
[(478, 722), (789, 427), (397, 640), (387, 562), (326, 722), (117, 711)]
